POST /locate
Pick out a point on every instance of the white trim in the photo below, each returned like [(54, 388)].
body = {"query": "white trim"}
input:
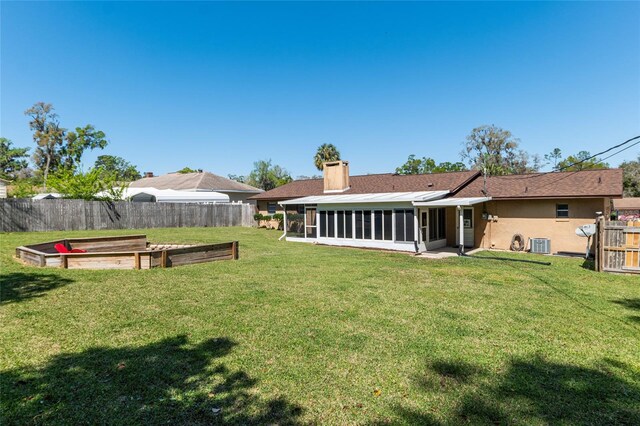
[(382, 197), (452, 202), (336, 191), (377, 244)]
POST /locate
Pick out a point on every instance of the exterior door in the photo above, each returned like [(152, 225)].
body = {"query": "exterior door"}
[(467, 219), (424, 229)]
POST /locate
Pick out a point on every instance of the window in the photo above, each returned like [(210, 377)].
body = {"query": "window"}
[(442, 224), (467, 216), (404, 225), (377, 225), (348, 224), (366, 224), (271, 207), (331, 224), (436, 224), (383, 225), (323, 224), (359, 234), (562, 210), (311, 222), (340, 224), (388, 225)]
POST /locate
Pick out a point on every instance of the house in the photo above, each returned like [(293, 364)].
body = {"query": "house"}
[(3, 188), (198, 182), (47, 196), (627, 208), (173, 196), (432, 211)]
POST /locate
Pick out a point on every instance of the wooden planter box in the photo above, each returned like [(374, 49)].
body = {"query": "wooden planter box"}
[(123, 252)]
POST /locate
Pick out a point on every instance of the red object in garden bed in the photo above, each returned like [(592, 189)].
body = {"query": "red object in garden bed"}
[(62, 249)]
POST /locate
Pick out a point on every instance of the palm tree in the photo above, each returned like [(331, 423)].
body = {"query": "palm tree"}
[(326, 152)]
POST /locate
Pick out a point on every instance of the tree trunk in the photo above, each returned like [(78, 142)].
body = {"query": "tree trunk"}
[(46, 171)]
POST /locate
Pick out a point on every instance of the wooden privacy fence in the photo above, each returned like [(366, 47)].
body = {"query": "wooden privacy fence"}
[(618, 246), (68, 215)]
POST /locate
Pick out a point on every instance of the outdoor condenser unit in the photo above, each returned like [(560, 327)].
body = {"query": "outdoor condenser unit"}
[(541, 245)]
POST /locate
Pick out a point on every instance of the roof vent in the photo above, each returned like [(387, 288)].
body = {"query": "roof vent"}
[(199, 170), (430, 184), (599, 179), (148, 174), (526, 189)]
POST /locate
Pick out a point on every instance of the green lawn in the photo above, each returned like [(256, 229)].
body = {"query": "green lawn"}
[(296, 334)]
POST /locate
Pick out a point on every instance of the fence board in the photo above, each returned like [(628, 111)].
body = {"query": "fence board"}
[(67, 215)]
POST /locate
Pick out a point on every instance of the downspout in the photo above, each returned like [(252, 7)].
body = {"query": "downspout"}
[(416, 230), (461, 231), (284, 222)]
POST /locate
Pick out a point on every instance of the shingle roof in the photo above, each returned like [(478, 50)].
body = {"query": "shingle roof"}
[(204, 181), (581, 184), (371, 184), (631, 203)]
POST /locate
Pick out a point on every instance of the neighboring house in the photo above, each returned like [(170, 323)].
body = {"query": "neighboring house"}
[(198, 182), (47, 196), (3, 188), (627, 208), (172, 196), (424, 212)]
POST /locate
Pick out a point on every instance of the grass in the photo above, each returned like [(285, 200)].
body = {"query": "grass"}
[(302, 334)]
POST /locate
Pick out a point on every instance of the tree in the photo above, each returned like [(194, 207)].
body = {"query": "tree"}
[(56, 147), (495, 151), (96, 184), (326, 152), (48, 136), (415, 166), (267, 176), (631, 178), (305, 177), (118, 166), (186, 170), (77, 142), (581, 161), (11, 159), (23, 188), (238, 178), (553, 157)]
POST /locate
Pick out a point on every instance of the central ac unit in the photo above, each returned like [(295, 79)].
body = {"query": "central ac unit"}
[(541, 245)]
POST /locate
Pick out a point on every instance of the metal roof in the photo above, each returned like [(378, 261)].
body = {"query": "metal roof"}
[(452, 202), (384, 197), (171, 196)]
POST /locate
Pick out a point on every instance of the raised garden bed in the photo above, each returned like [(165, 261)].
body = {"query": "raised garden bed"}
[(123, 252)]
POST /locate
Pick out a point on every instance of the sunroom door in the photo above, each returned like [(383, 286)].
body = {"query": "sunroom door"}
[(467, 223)]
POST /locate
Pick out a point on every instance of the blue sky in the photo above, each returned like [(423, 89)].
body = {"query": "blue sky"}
[(220, 85)]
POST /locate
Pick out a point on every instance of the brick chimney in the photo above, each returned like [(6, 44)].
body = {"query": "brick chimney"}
[(148, 174), (336, 176)]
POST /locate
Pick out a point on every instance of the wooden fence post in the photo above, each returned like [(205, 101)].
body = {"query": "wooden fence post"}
[(235, 250), (600, 244)]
